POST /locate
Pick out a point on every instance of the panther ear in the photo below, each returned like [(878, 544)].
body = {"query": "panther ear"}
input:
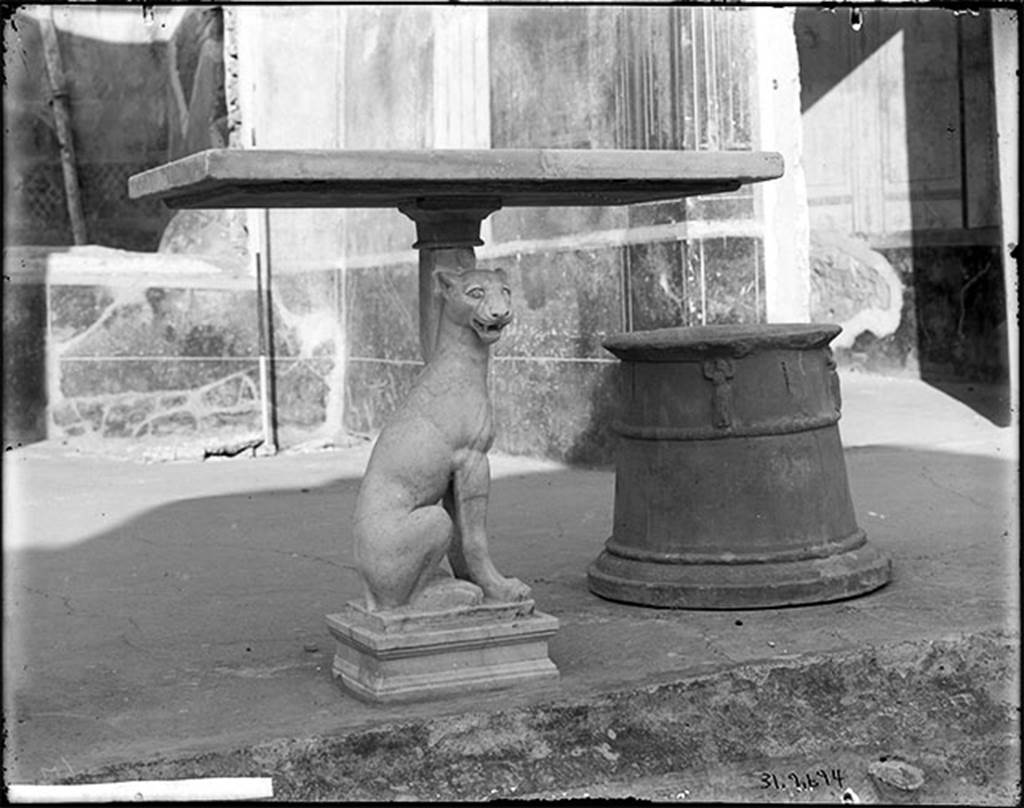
[(446, 278)]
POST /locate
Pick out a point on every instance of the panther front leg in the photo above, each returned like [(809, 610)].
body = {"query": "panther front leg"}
[(468, 553), (455, 557)]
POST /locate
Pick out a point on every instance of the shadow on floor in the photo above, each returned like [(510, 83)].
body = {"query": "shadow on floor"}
[(990, 401), (200, 622)]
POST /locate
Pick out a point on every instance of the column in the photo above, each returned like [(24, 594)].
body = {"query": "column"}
[(783, 201), (446, 233), (1005, 63)]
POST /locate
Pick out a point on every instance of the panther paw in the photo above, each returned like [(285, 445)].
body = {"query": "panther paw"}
[(508, 590), (447, 593)]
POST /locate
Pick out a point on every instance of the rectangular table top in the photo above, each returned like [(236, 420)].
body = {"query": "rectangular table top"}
[(339, 178)]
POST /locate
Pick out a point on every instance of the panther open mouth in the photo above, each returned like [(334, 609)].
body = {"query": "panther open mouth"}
[(489, 332)]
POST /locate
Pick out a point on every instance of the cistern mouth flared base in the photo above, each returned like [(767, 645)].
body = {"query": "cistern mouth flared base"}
[(758, 585)]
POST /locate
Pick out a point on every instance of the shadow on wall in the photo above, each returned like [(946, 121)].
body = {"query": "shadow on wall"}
[(914, 89), (24, 350), (959, 295), (595, 444), (121, 119)]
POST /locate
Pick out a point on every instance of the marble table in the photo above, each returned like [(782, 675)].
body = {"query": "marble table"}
[(446, 192)]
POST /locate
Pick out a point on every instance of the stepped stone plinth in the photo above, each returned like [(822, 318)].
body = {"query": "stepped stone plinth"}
[(399, 655)]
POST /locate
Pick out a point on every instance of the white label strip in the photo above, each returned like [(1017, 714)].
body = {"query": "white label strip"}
[(214, 788)]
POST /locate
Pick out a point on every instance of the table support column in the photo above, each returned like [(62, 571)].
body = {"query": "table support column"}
[(445, 238)]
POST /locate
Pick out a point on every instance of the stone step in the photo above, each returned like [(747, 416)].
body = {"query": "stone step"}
[(949, 708)]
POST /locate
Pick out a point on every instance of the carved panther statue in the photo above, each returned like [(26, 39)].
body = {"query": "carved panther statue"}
[(424, 495)]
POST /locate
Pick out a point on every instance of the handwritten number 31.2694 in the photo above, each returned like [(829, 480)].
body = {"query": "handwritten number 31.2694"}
[(808, 781)]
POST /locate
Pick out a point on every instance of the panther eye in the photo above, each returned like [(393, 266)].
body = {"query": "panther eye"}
[(506, 290), (476, 292)]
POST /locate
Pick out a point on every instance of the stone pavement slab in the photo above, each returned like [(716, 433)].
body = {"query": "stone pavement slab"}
[(174, 610)]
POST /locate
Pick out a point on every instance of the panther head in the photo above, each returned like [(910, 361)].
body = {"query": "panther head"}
[(478, 298)]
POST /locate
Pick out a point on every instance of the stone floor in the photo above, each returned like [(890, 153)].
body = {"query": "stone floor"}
[(166, 620)]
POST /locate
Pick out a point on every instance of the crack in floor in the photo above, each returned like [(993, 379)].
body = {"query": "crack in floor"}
[(925, 475)]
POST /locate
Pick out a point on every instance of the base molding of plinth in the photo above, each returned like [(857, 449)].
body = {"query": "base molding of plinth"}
[(401, 656), (759, 585)]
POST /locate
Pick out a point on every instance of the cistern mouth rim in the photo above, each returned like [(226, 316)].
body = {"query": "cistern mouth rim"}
[(707, 341)]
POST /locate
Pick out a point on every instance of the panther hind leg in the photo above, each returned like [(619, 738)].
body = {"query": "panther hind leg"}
[(404, 556)]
